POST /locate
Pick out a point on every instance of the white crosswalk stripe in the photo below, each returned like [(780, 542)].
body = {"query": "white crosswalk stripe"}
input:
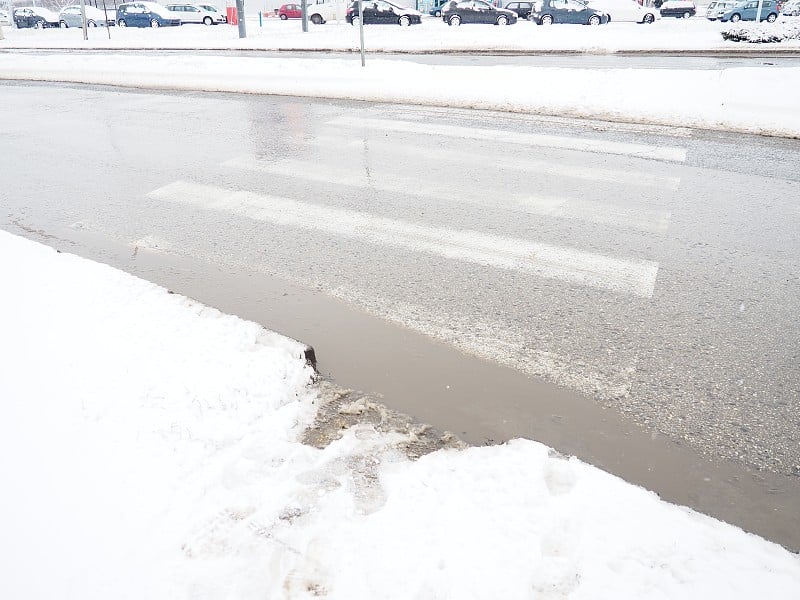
[(666, 153), (389, 181), (635, 277)]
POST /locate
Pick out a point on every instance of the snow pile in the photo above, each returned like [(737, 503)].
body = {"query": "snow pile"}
[(763, 33), (152, 450)]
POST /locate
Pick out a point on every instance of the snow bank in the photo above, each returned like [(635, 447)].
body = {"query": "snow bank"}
[(151, 450), (763, 33), (758, 100)]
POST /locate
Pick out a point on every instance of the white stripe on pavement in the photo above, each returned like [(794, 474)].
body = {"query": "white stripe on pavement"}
[(641, 219), (635, 277), (669, 153)]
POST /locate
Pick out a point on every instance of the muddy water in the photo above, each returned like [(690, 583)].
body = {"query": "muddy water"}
[(480, 401)]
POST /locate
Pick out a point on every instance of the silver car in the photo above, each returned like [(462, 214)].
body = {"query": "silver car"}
[(716, 9), (95, 17), (192, 13)]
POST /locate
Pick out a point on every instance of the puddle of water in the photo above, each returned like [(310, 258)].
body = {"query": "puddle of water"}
[(479, 401)]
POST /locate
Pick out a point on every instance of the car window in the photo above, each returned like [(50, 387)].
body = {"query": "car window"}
[(482, 5)]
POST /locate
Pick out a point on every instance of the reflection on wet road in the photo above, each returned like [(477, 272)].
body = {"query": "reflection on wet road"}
[(624, 293)]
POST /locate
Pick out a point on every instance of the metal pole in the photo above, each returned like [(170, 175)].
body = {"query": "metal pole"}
[(105, 12), (304, 15), (758, 11), (240, 17), (361, 28), (83, 19)]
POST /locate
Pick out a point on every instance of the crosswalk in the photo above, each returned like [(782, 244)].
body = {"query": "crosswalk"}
[(345, 191)]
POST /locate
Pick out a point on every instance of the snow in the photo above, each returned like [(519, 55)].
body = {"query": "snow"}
[(152, 450)]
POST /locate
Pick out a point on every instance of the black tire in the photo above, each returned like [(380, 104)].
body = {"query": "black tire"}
[(594, 20), (39, 24), (454, 21), (404, 21), (316, 19), (649, 19), (155, 24), (686, 15), (546, 20), (122, 23), (736, 17), (771, 17), (284, 17), (502, 20), (63, 25), (437, 13), (91, 24)]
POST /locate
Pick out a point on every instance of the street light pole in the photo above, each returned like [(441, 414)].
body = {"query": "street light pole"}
[(361, 27), (304, 15), (240, 17), (83, 20)]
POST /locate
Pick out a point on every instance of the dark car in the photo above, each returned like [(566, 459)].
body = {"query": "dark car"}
[(34, 16), (523, 9), (476, 11), (381, 12), (680, 9), (145, 14), (547, 12)]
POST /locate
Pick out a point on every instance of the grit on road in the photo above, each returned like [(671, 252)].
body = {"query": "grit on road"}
[(650, 270)]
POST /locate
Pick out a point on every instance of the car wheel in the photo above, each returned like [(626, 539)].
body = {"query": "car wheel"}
[(354, 20), (316, 19), (63, 24), (91, 24), (736, 17), (437, 13), (404, 21), (547, 20), (649, 18), (154, 23), (284, 17), (594, 20), (454, 21), (502, 20), (39, 24), (687, 14), (771, 17), (122, 23)]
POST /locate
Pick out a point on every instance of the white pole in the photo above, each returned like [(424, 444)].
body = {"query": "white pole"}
[(758, 12), (83, 19)]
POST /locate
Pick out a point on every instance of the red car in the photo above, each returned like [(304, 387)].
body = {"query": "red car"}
[(290, 11)]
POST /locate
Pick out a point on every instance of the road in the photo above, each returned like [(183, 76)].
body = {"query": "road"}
[(625, 293)]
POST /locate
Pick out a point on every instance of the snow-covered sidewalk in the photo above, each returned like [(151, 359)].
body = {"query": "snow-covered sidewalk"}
[(151, 449), (758, 100)]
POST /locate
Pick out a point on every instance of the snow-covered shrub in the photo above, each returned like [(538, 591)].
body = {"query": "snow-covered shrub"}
[(762, 33)]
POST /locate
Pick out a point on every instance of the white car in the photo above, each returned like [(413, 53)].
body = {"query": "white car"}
[(4, 20), (334, 10), (213, 9), (192, 13), (625, 10), (715, 9), (791, 8)]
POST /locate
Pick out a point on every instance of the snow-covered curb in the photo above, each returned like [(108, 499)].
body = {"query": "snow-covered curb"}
[(151, 450), (728, 99)]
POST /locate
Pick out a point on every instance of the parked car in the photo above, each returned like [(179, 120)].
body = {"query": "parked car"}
[(628, 11), (476, 11), (547, 12), (381, 12), (34, 16), (681, 9), (213, 9), (333, 10), (715, 10), (95, 17), (791, 8), (290, 11), (436, 9), (145, 14), (4, 18), (746, 11), (193, 13), (523, 9)]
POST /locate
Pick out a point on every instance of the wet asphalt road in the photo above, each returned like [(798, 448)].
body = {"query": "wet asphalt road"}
[(652, 271)]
